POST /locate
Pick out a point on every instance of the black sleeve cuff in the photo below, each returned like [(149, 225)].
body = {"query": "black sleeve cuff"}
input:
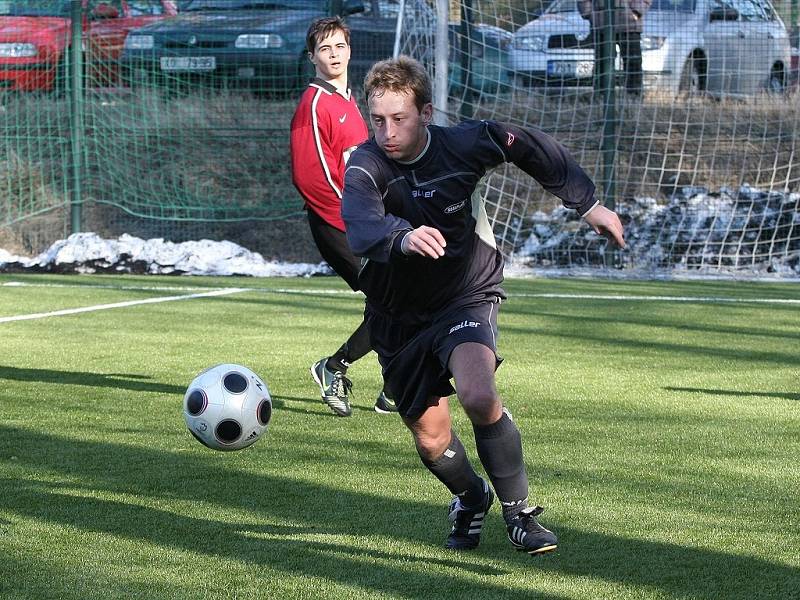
[(588, 207), (397, 243)]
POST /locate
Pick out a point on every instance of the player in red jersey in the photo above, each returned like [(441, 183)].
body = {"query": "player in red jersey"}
[(326, 127)]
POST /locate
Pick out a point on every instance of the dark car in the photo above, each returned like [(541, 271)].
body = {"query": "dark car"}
[(255, 43), (488, 62)]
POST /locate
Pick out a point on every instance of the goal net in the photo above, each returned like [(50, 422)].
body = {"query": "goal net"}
[(696, 149), (171, 119)]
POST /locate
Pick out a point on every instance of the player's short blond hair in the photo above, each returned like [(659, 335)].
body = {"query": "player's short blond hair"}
[(403, 75)]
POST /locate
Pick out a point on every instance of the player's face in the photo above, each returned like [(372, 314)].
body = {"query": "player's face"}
[(331, 57), (398, 125)]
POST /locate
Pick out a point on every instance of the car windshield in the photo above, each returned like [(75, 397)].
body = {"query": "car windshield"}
[(40, 8), (562, 6), (687, 6), (206, 5)]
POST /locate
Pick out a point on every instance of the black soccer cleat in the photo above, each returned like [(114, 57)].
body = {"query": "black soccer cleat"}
[(467, 523), (334, 387), (385, 405), (527, 535)]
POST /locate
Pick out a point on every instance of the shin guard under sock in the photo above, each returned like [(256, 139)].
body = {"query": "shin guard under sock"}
[(454, 470), (500, 450)]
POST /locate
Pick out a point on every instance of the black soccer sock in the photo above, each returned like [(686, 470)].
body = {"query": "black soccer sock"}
[(356, 346), (454, 470), (500, 450)]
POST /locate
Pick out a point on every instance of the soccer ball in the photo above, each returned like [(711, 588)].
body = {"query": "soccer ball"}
[(227, 407)]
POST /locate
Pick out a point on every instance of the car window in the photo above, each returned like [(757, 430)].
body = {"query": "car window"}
[(381, 9), (750, 10), (217, 5), (91, 5), (562, 6), (687, 6), (723, 4), (43, 8), (388, 9), (145, 8), (769, 11)]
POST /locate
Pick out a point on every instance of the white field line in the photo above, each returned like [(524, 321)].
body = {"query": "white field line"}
[(107, 286), (710, 299), (334, 291), (96, 307), (619, 297)]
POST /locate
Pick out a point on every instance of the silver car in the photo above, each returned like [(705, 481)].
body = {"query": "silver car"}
[(724, 47)]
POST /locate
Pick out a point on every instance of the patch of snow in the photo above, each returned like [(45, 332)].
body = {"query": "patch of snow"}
[(89, 253)]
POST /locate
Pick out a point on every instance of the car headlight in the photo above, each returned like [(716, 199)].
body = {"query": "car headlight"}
[(534, 42), (18, 50), (652, 42), (259, 40), (139, 42)]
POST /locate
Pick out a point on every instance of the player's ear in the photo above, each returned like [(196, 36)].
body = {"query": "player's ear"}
[(427, 113)]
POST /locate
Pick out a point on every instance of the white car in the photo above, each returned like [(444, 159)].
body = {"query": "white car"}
[(717, 46)]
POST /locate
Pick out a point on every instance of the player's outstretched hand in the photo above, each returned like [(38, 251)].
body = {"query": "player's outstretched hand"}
[(607, 223), (425, 241)]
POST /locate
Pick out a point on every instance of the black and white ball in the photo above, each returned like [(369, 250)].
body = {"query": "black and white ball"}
[(227, 407)]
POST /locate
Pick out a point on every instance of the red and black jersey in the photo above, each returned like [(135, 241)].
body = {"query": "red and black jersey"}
[(326, 128)]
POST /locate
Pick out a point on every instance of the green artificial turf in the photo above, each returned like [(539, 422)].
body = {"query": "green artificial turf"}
[(661, 435)]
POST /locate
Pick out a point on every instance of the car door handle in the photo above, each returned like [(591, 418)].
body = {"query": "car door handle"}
[(742, 34)]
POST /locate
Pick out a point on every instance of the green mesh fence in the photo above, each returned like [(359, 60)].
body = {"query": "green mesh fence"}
[(174, 121)]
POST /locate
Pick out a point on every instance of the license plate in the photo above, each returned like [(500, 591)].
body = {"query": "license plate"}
[(188, 63), (570, 68)]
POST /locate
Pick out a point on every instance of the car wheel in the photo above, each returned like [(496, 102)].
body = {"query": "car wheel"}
[(693, 77), (776, 81)]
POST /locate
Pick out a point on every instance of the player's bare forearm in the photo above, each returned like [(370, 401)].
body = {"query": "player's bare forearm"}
[(606, 223), (425, 241)]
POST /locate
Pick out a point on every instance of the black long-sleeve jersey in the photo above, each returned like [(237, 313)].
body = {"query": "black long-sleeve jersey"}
[(383, 199)]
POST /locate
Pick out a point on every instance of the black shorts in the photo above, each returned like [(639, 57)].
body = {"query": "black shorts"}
[(415, 358), (333, 247)]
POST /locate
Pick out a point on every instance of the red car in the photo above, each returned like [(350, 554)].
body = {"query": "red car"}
[(35, 36)]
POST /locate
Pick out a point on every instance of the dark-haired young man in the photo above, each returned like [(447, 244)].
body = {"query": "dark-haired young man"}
[(326, 128), (433, 284)]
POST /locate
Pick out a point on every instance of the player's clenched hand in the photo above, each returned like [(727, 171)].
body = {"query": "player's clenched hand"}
[(425, 241), (607, 223)]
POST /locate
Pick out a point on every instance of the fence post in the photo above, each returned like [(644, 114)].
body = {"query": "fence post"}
[(469, 96), (795, 18), (441, 50), (609, 83), (76, 113)]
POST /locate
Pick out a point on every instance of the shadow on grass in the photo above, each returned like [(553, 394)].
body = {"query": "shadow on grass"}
[(785, 395), (138, 383), (285, 403), (159, 478), (615, 339), (123, 381), (665, 322)]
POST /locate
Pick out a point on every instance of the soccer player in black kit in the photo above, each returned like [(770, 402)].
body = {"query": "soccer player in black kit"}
[(432, 276)]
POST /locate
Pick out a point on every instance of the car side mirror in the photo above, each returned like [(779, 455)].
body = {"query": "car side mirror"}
[(104, 11), (724, 13), (351, 7)]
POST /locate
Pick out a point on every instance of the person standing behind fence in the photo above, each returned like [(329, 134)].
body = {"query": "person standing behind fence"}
[(326, 127), (628, 21)]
